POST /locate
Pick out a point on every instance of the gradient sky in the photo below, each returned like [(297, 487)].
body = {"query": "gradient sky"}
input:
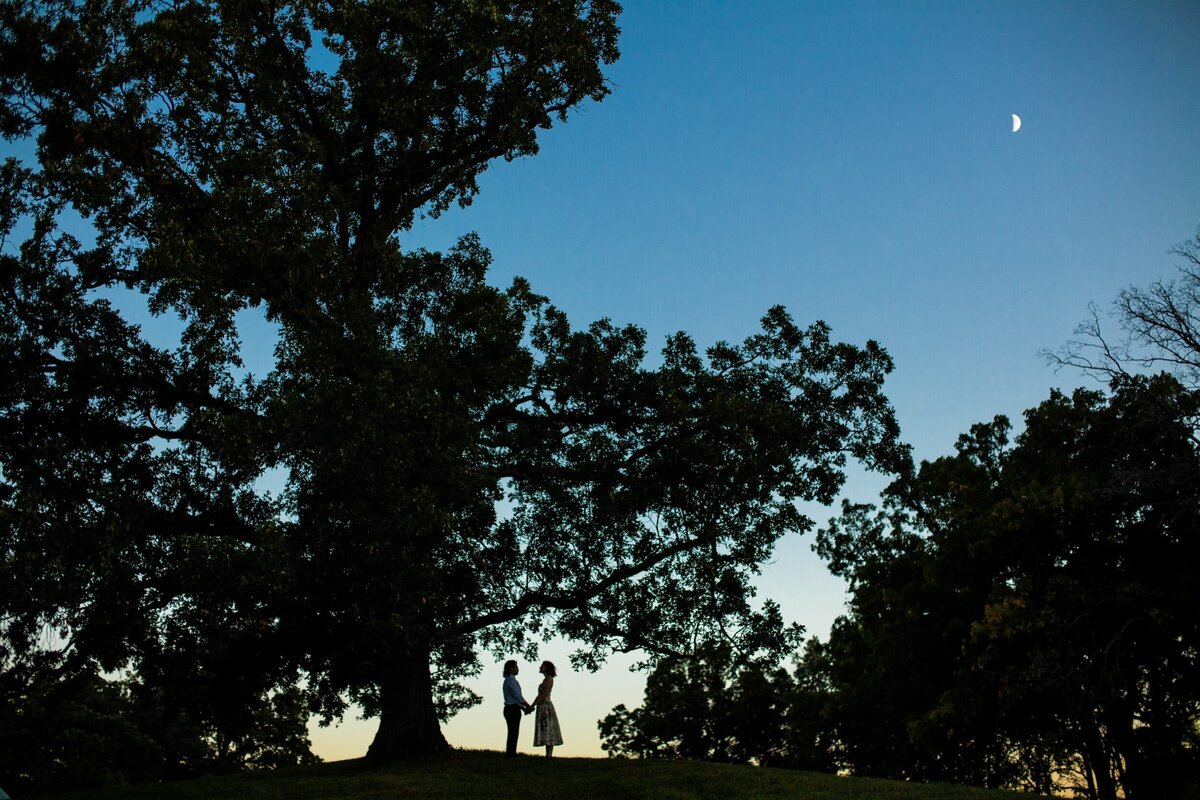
[(854, 162)]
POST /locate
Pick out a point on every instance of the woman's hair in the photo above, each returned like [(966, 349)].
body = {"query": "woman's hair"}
[(510, 667), (548, 669)]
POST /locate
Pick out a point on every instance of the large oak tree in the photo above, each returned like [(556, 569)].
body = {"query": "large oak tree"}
[(464, 470)]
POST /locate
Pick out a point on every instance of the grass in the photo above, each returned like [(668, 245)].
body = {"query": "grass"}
[(484, 775)]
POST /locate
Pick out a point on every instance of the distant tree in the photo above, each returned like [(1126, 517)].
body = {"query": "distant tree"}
[(809, 735), (80, 730), (889, 662), (1160, 325), (759, 696), (707, 706), (229, 157), (1027, 611), (59, 734)]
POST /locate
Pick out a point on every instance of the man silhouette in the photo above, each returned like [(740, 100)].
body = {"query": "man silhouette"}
[(514, 705)]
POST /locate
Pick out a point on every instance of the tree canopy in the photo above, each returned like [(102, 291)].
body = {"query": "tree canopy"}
[(1023, 613), (463, 469), (711, 705)]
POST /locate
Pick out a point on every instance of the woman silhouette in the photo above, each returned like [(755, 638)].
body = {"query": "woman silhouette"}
[(545, 724)]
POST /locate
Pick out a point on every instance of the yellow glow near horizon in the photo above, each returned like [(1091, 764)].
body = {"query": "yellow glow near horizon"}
[(576, 700)]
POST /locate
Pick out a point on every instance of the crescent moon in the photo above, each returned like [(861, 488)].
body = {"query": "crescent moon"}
[(1016, 123)]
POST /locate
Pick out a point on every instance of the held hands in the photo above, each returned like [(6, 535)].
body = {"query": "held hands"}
[(528, 709)]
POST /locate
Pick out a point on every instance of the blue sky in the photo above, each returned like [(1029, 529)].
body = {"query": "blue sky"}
[(854, 162)]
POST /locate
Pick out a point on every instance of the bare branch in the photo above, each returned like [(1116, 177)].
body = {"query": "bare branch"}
[(1161, 326)]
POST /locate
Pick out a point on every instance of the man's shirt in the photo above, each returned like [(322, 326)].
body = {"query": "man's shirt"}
[(512, 692)]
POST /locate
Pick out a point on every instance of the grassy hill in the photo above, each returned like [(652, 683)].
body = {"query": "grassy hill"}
[(481, 775)]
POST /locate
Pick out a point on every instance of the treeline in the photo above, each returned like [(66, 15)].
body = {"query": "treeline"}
[(1022, 613), (63, 730)]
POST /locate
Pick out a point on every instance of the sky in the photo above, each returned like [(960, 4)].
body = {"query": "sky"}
[(855, 162)]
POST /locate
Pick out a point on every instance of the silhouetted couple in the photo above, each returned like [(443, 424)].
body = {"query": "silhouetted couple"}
[(545, 724)]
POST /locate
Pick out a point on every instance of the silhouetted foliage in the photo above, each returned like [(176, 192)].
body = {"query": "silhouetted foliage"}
[(239, 157), (707, 706), (70, 731), (809, 732), (1024, 614)]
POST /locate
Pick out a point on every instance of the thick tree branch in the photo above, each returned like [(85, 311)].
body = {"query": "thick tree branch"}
[(632, 640), (578, 599)]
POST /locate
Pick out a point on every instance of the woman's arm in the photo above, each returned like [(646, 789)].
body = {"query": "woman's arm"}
[(543, 690)]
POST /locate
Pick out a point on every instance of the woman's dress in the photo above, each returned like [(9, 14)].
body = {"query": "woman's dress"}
[(545, 724)]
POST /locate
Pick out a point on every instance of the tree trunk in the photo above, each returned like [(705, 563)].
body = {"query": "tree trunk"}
[(1097, 756), (408, 724)]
